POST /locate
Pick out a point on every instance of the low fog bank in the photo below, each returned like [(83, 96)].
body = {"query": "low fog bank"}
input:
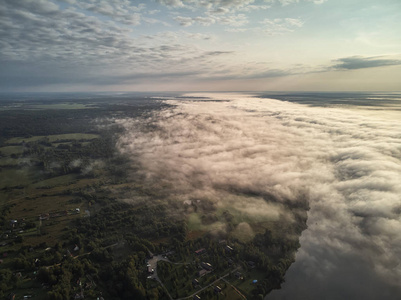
[(206, 151), (261, 156)]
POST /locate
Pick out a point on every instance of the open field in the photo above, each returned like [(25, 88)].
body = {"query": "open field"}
[(9, 150), (63, 180), (68, 105), (6, 161), (15, 178), (246, 285), (54, 138), (47, 106)]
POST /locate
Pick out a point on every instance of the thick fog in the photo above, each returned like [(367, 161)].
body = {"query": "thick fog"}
[(256, 155)]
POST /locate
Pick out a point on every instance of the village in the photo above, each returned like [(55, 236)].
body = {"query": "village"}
[(31, 226), (205, 281), (205, 268)]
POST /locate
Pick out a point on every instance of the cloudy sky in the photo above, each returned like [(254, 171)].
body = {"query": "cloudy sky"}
[(199, 45)]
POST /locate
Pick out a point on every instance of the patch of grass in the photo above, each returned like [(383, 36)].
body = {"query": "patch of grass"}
[(194, 222), (19, 140), (67, 105), (230, 293), (72, 136), (30, 287), (63, 143), (6, 161), (54, 138), (8, 150), (246, 285), (63, 180), (193, 235), (32, 208), (13, 178)]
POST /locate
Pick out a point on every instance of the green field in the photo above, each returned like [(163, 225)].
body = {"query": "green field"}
[(194, 222), (15, 178), (246, 285), (54, 138), (50, 106), (6, 161), (63, 180), (8, 150), (61, 106)]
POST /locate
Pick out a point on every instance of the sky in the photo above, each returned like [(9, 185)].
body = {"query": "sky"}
[(200, 45)]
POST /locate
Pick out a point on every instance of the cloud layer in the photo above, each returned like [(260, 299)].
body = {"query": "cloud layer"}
[(358, 62), (262, 156), (65, 45)]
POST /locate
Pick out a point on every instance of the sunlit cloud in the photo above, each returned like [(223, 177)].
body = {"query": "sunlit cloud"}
[(281, 26), (247, 153), (359, 62)]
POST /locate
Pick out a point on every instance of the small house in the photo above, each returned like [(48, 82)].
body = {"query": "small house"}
[(229, 249), (200, 251), (206, 266), (195, 282)]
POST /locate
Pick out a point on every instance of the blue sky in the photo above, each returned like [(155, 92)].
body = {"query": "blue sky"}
[(188, 45)]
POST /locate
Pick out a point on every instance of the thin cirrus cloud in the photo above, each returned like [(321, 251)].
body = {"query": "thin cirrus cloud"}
[(288, 2), (119, 38), (229, 20), (123, 12), (359, 62), (219, 6), (281, 26), (222, 6), (340, 64)]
